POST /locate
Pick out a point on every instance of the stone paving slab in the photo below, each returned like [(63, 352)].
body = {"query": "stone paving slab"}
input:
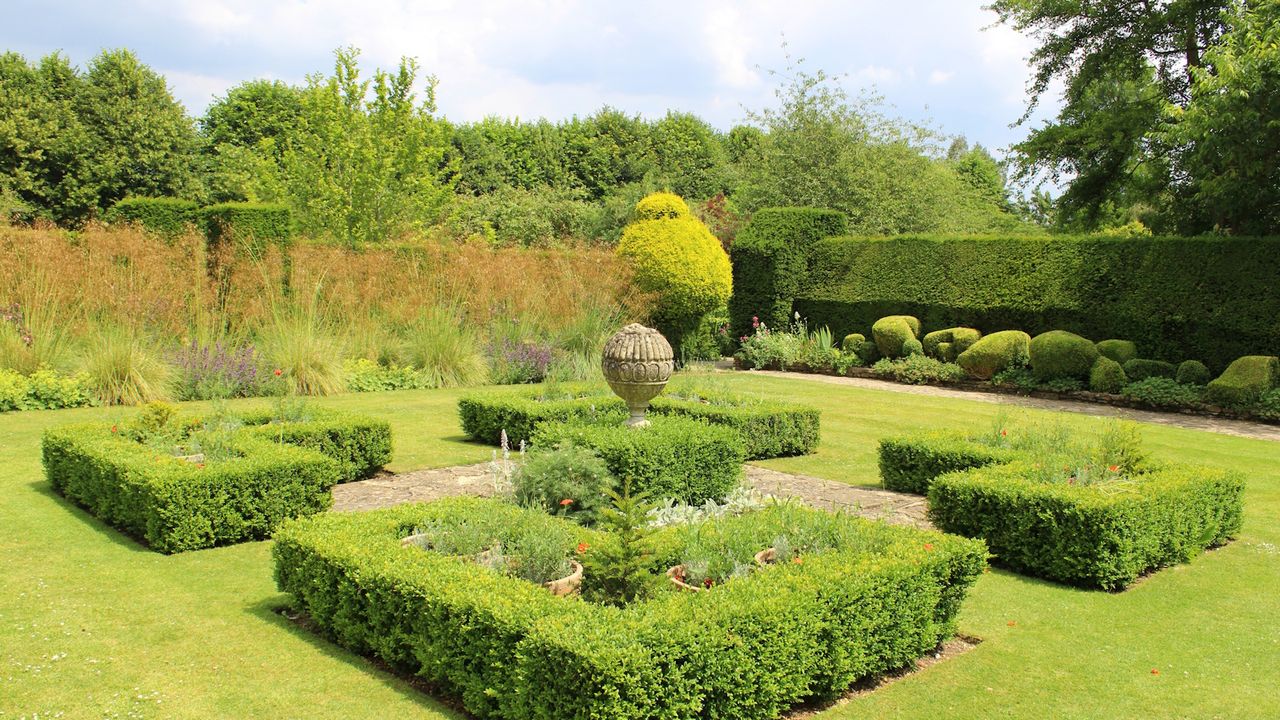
[(478, 480)]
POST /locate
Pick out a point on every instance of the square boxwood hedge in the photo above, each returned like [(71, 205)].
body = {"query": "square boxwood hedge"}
[(910, 463), (1096, 535), (360, 444), (174, 505), (750, 648), (769, 428), (672, 457)]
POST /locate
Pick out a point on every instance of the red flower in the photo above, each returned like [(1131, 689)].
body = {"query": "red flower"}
[(928, 546), (706, 582), (566, 502), (114, 428), (278, 372), (1004, 433), (582, 547), (1114, 468), (1154, 671)]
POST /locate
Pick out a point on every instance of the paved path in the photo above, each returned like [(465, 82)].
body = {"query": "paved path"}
[(1208, 423), (422, 485)]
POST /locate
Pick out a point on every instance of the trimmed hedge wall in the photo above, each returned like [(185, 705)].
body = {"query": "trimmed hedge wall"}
[(672, 457), (361, 445), (174, 505), (770, 259), (167, 217), (255, 223), (1208, 298), (769, 429), (1090, 535), (508, 649)]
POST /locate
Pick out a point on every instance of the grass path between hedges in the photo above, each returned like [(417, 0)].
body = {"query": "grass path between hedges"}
[(94, 625)]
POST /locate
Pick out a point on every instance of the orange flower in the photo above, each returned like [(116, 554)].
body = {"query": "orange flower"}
[(278, 372), (1114, 468), (582, 547), (200, 465), (928, 546), (1004, 433), (114, 428), (1154, 671), (1012, 623), (798, 560), (566, 502)]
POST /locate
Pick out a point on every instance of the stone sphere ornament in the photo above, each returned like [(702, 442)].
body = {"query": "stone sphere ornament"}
[(638, 362)]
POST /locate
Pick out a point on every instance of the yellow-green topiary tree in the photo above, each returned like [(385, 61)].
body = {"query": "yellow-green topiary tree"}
[(676, 258)]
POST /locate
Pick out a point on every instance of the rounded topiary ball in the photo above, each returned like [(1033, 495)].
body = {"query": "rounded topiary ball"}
[(1107, 376), (852, 342), (1061, 354), (892, 331), (912, 347), (1193, 372), (660, 206), (680, 261), (995, 352)]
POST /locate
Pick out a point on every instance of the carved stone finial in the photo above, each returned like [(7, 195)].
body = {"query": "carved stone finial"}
[(638, 362)]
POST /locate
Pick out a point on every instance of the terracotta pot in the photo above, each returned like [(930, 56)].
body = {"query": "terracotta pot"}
[(767, 556), (569, 584), (674, 573)]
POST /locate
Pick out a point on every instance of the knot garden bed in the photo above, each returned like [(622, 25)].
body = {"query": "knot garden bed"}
[(265, 472), (1096, 523), (769, 428), (749, 648)]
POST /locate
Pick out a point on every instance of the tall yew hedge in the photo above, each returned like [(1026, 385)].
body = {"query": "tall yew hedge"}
[(1211, 299)]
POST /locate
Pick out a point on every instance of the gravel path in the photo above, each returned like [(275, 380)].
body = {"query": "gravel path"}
[(1225, 426), (422, 485)]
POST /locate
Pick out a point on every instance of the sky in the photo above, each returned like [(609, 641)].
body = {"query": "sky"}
[(936, 61)]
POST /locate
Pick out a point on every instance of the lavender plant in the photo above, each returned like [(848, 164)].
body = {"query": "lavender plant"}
[(210, 372), (518, 361)]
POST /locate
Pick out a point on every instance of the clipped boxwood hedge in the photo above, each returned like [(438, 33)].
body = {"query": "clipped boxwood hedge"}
[(910, 463), (174, 505), (1091, 535), (486, 414), (768, 428), (750, 648), (360, 444), (672, 457), (1208, 298), (770, 260)]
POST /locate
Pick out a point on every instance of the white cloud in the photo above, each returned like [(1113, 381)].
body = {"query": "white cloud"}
[(941, 77)]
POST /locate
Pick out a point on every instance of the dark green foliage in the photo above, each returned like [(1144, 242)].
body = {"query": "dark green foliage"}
[(1059, 354), (1107, 376), (168, 217), (868, 352), (892, 332), (852, 342), (507, 648), (361, 445), (910, 463), (672, 457), (947, 344), (769, 428), (175, 505), (255, 224), (1193, 372), (1268, 406), (1093, 535), (550, 476), (1244, 381), (1122, 351), (1161, 392), (770, 260), (1210, 298), (1140, 369), (618, 569), (995, 353)]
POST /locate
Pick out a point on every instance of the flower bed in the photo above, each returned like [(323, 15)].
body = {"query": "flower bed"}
[(769, 428), (259, 477), (509, 649)]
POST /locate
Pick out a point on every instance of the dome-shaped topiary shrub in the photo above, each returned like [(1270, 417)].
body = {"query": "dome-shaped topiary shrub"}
[(1061, 354), (867, 351), (660, 206), (1122, 351), (947, 344), (682, 263), (995, 352), (1193, 372), (912, 347), (852, 342), (1139, 369), (1244, 381), (893, 330), (1107, 376)]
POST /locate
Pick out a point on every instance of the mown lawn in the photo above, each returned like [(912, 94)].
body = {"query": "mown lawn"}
[(94, 625)]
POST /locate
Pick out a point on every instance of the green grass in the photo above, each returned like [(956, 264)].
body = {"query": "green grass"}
[(92, 624)]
